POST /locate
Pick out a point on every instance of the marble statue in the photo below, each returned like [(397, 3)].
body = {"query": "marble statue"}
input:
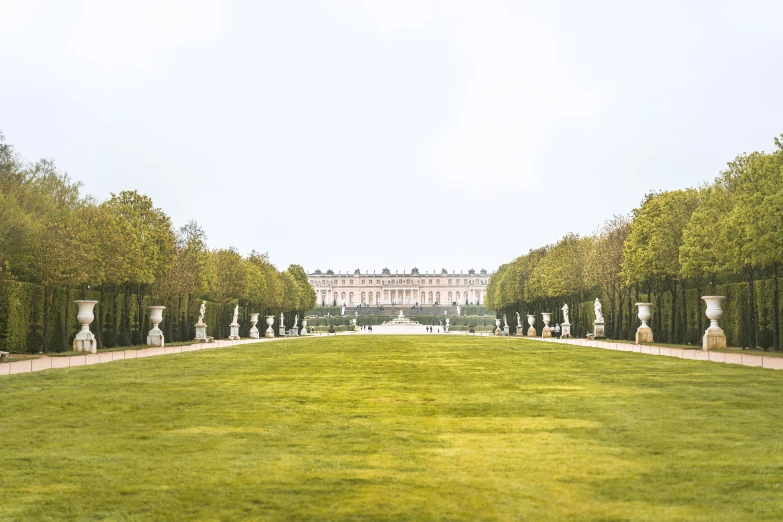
[(201, 311), (458, 310), (599, 316), (282, 318), (236, 314), (505, 321), (296, 320), (342, 310), (565, 314), (519, 321)]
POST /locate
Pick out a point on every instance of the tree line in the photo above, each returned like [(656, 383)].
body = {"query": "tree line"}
[(675, 245), (126, 253)]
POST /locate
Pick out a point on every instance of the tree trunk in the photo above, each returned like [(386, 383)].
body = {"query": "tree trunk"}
[(141, 291), (775, 308), (673, 314), (115, 322), (684, 313), (66, 317), (749, 277), (99, 335), (699, 318), (126, 330), (46, 311)]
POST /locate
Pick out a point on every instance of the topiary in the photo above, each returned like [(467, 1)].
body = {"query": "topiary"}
[(34, 340), (765, 338)]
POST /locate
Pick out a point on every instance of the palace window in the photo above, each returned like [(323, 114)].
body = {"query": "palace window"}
[(362, 281), (449, 282)]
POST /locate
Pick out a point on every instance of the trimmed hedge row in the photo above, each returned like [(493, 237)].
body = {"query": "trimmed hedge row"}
[(734, 321), (21, 319)]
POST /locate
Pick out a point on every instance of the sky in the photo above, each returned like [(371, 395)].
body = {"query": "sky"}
[(371, 134)]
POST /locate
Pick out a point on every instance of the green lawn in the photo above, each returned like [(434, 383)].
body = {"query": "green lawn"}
[(394, 428)]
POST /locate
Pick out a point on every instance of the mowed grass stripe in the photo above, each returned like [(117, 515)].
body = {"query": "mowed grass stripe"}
[(394, 428)]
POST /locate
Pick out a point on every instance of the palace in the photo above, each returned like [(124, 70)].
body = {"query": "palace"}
[(386, 288)]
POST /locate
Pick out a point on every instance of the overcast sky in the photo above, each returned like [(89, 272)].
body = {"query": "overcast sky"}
[(352, 134)]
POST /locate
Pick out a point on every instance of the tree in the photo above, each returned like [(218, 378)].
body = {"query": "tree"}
[(652, 250), (59, 258), (156, 238), (307, 293), (756, 224), (604, 266)]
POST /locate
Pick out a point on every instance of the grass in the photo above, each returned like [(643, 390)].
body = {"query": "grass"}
[(394, 428)]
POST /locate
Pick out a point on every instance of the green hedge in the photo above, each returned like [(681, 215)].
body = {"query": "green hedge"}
[(734, 321), (21, 319)]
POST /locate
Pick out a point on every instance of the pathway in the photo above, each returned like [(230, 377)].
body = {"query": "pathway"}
[(51, 363), (773, 363)]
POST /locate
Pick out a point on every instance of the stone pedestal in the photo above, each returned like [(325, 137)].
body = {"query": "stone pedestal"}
[(713, 339), (644, 335), (598, 329), (234, 335), (546, 332), (281, 330), (531, 332), (85, 341), (714, 336), (201, 333), (254, 333), (498, 331), (155, 336), (566, 331), (304, 327), (270, 320), (505, 330)]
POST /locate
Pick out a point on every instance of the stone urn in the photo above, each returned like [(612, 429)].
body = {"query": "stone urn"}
[(644, 313), (254, 334), (270, 320), (85, 340), (304, 327), (155, 336), (714, 336), (546, 332), (531, 320), (644, 333)]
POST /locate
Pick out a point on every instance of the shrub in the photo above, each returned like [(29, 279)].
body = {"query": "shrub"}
[(34, 341), (765, 338)]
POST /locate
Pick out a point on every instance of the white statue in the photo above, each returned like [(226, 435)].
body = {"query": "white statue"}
[(505, 321), (296, 320), (236, 314), (458, 310), (519, 321), (342, 310), (599, 317), (565, 313), (201, 311), (282, 318)]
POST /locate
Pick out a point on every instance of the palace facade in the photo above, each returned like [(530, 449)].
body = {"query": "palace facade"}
[(386, 288)]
